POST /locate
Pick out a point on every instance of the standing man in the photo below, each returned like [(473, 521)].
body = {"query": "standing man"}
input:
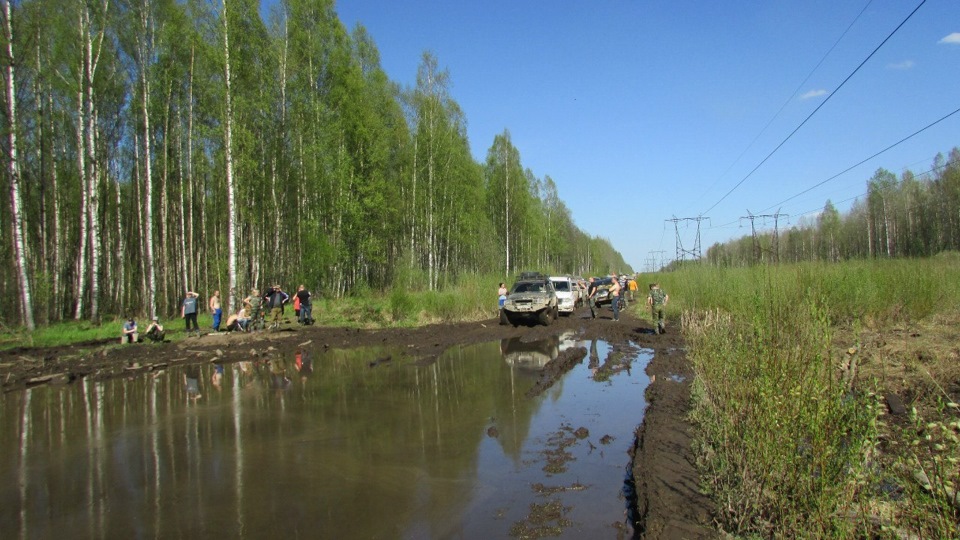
[(188, 311), (306, 311), (275, 299), (216, 309), (591, 291), (657, 300), (615, 296), (623, 291)]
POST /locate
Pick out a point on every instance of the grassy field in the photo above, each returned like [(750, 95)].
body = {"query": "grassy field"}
[(792, 366), (473, 299)]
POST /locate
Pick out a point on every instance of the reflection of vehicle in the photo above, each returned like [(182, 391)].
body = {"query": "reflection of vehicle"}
[(529, 355), (603, 291), (568, 295), (532, 298)]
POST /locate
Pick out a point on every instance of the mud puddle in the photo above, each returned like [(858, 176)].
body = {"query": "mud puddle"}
[(360, 443)]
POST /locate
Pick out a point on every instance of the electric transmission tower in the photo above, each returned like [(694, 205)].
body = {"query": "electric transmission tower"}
[(758, 250), (681, 252)]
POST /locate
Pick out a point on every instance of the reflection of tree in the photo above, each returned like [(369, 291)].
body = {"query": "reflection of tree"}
[(401, 438)]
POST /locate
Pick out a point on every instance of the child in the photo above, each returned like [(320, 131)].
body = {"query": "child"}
[(657, 300)]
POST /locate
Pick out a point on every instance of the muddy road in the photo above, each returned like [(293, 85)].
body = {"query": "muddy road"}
[(668, 502)]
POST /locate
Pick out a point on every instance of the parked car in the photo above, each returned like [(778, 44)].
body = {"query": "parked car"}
[(532, 299), (568, 294)]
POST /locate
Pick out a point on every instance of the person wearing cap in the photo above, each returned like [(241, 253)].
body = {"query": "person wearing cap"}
[(155, 331), (129, 333)]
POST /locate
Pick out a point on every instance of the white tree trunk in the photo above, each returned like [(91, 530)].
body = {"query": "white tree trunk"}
[(16, 203), (148, 263), (81, 274), (228, 150)]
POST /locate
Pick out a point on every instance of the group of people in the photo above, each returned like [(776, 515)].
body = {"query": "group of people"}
[(270, 307), (131, 334), (657, 299), (253, 307)]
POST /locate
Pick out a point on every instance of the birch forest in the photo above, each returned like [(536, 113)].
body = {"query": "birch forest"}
[(913, 215), (158, 146)]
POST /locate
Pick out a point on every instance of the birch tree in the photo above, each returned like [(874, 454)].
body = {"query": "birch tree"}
[(13, 169)]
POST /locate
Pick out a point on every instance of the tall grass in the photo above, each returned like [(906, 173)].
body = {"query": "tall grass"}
[(782, 443), (852, 291)]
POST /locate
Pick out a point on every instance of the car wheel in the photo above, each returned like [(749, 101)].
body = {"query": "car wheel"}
[(504, 320), (545, 317)]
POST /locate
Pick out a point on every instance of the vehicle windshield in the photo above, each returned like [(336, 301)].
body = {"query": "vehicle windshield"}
[(528, 287), (561, 286)]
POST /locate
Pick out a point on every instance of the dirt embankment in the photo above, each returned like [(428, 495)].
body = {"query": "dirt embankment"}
[(669, 504)]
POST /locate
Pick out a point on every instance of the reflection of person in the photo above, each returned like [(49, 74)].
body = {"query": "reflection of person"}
[(191, 379), (216, 310), (304, 364), (657, 300), (502, 294), (129, 332), (594, 363), (154, 331), (188, 311), (216, 379)]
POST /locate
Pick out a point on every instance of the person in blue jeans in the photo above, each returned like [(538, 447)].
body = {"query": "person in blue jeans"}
[(306, 309), (216, 309), (615, 296)]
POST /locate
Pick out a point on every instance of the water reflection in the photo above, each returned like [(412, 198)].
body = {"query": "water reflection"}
[(317, 443)]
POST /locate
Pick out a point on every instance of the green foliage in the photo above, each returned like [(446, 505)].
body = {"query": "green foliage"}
[(854, 290), (783, 445), (910, 216)]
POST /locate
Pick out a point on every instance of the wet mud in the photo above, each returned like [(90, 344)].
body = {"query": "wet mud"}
[(668, 501)]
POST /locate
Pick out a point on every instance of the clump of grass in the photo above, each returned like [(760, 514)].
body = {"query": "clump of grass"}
[(782, 444)]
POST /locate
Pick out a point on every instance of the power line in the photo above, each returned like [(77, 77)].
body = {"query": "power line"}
[(790, 97), (824, 102), (861, 162)]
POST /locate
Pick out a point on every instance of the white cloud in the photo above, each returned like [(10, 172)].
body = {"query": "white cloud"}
[(952, 39), (906, 64), (813, 94)]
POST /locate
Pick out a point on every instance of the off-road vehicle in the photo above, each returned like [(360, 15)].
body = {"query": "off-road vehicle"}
[(532, 299)]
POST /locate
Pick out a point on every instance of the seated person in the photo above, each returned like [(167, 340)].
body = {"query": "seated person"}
[(232, 323), (238, 321), (129, 334), (243, 318), (154, 331)]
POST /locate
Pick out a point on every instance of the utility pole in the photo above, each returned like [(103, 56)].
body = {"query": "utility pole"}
[(681, 252), (775, 245), (657, 257)]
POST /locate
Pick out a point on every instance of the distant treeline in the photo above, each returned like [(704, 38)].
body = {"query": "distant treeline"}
[(910, 216), (157, 146)]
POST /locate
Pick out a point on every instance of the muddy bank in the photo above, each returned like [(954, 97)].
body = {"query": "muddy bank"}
[(668, 503)]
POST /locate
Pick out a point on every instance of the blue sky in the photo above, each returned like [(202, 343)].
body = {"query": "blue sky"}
[(642, 111)]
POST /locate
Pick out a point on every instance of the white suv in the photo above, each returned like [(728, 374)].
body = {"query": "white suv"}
[(568, 295)]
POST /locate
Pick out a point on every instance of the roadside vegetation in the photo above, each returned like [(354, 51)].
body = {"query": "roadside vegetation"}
[(799, 370), (473, 298)]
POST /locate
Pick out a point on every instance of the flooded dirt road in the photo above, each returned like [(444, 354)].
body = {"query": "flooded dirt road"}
[(471, 430)]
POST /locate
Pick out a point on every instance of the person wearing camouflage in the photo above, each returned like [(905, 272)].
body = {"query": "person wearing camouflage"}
[(657, 300)]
